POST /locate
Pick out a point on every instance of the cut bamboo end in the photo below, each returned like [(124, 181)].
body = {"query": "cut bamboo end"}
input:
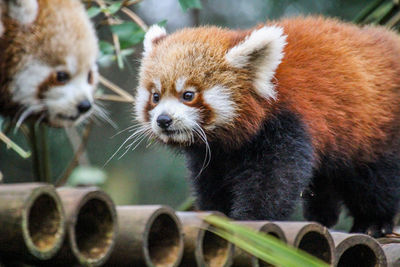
[(392, 253), (202, 246), (357, 250), (32, 221), (149, 236), (91, 226), (242, 258), (310, 237)]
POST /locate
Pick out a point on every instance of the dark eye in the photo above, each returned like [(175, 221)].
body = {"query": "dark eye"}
[(156, 97), (62, 77), (90, 77), (188, 96)]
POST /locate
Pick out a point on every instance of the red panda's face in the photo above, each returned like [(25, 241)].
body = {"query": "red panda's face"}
[(194, 88), (51, 61)]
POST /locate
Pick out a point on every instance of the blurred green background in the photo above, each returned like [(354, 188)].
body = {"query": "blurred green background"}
[(156, 174)]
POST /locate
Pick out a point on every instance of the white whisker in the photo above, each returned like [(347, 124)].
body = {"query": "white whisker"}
[(103, 115), (207, 157), (139, 132)]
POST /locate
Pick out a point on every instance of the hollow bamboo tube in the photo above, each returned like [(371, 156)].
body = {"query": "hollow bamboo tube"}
[(242, 258), (32, 221), (357, 250), (91, 224), (148, 236), (392, 253), (310, 237), (202, 247)]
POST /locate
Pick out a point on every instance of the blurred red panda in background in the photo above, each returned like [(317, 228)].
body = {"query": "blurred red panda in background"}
[(48, 53), (301, 106)]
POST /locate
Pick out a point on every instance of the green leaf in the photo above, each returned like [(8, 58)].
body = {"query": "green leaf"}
[(85, 175), (162, 23), (186, 4), (129, 34), (127, 52), (106, 48), (263, 246), (112, 9), (93, 11)]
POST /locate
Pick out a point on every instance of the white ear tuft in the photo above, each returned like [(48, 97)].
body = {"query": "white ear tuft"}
[(262, 51), (154, 33), (23, 11)]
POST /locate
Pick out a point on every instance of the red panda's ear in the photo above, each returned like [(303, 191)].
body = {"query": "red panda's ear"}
[(153, 35), (23, 11), (261, 52)]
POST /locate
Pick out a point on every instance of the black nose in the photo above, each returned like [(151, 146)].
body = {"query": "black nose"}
[(164, 121), (84, 106)]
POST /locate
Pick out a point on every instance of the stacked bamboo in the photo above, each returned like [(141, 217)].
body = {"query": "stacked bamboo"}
[(44, 226)]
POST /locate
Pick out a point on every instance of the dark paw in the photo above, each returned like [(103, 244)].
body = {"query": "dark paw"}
[(375, 230)]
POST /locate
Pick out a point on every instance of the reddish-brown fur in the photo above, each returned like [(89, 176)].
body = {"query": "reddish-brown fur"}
[(342, 79)]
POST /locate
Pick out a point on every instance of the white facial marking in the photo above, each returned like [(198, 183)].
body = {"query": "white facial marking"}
[(157, 84), (72, 64), (59, 100), (63, 100), (141, 99), (184, 119), (24, 11), (26, 82), (152, 34), (180, 84), (269, 41), (220, 100)]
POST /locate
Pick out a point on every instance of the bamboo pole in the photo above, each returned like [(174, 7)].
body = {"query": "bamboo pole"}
[(310, 237), (91, 224), (244, 259), (357, 250), (149, 236), (202, 246), (392, 253), (32, 221)]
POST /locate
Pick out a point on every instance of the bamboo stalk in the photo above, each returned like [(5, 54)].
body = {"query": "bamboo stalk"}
[(135, 18), (80, 150), (202, 246), (33, 140), (242, 258), (114, 98), (149, 236), (115, 88), (357, 250), (310, 237), (32, 221), (392, 253), (92, 227)]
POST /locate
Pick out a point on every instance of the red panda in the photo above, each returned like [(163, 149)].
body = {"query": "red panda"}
[(48, 53), (301, 106)]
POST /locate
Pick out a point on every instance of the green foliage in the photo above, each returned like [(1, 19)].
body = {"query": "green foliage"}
[(129, 34), (187, 4), (111, 9), (86, 175), (263, 246), (11, 144)]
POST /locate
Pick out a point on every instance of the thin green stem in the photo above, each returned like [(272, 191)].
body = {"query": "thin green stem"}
[(367, 11), (45, 157), (35, 152)]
